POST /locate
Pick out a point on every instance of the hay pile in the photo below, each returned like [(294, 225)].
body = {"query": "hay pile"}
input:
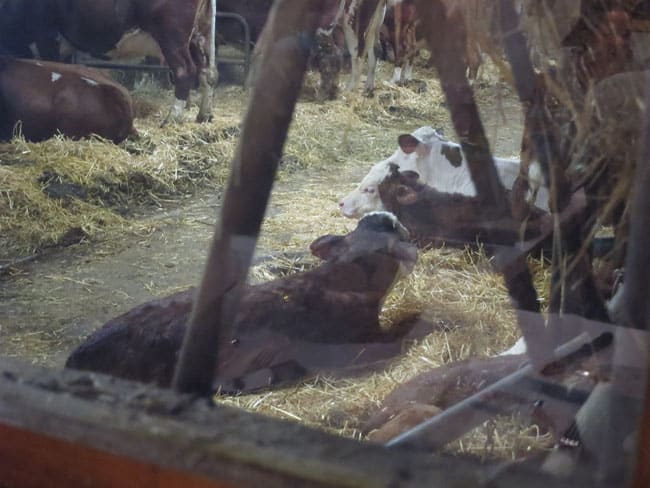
[(61, 192), (330, 147)]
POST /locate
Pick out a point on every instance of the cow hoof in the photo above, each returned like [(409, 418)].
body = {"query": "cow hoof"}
[(202, 118), (369, 93)]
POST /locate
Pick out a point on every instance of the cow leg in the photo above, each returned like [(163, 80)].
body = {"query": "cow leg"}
[(408, 70), (397, 75), (184, 73), (372, 38), (372, 67), (352, 43), (207, 77), (178, 52)]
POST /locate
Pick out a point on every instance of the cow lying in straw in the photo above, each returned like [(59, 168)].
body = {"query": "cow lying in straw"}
[(440, 163), (45, 98), (284, 329)]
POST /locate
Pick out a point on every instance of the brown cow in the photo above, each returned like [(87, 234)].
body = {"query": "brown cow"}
[(402, 34), (181, 28), (45, 98), (284, 328)]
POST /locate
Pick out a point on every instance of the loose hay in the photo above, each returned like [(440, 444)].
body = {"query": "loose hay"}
[(108, 180)]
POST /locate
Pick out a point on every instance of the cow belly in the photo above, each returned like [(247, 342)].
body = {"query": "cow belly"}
[(96, 26)]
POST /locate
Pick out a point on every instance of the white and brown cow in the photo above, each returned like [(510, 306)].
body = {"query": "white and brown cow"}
[(440, 164), (361, 22)]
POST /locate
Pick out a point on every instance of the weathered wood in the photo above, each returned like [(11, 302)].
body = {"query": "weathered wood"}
[(79, 420), (249, 187), (62, 463)]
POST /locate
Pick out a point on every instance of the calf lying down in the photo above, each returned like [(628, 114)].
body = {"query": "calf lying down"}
[(436, 390), (441, 164), (435, 218), (48, 98), (285, 329)]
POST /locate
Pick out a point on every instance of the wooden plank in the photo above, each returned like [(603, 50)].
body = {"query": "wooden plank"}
[(55, 425), (33, 460)]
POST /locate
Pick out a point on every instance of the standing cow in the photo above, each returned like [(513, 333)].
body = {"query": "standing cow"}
[(351, 25), (181, 28), (28, 29)]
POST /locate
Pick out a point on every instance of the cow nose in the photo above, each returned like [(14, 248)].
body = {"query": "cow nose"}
[(341, 204)]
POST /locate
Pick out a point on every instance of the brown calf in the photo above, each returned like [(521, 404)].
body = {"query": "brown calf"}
[(434, 217), (283, 330), (47, 98)]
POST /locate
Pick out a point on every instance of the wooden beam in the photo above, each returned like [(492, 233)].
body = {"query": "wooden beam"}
[(31, 459), (87, 429), (292, 24)]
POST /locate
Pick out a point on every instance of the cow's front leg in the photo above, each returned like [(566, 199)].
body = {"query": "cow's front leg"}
[(207, 76), (397, 75), (352, 43), (408, 70), (372, 67), (184, 73)]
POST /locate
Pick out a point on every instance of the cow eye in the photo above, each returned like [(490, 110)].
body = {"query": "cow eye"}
[(369, 190)]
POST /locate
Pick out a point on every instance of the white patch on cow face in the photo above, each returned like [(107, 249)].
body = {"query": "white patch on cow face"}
[(56, 76), (91, 82), (365, 198)]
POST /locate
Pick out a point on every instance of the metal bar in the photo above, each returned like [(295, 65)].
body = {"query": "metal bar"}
[(462, 417), (293, 24), (247, 37), (245, 60), (150, 67)]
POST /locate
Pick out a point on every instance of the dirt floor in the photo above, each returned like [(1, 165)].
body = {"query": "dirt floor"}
[(50, 303)]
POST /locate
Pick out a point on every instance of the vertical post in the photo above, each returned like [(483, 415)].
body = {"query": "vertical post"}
[(447, 40), (292, 24), (213, 38), (636, 294)]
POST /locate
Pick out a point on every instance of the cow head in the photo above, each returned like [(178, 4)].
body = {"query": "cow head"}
[(400, 188), (377, 232), (412, 154)]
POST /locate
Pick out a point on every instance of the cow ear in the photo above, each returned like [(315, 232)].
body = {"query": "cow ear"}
[(408, 143), (453, 154), (410, 177), (327, 247), (406, 195)]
